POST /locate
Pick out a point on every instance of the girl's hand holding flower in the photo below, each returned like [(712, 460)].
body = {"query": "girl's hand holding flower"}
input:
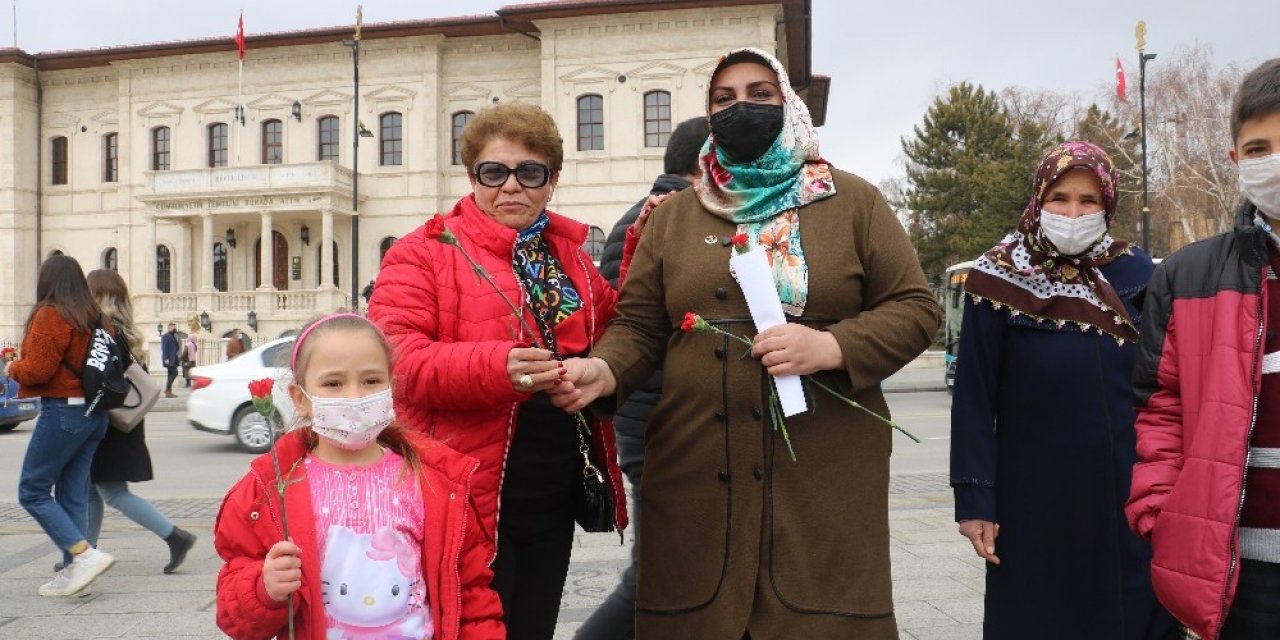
[(282, 570), (793, 349)]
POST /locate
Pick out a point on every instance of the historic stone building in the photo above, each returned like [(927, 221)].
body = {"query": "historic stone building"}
[(153, 160)]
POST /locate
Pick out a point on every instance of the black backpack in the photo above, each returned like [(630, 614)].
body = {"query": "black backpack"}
[(102, 376)]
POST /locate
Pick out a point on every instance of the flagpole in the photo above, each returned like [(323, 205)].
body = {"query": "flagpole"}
[(1141, 32)]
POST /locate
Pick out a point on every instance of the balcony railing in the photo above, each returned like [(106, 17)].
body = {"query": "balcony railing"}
[(304, 176), (275, 310)]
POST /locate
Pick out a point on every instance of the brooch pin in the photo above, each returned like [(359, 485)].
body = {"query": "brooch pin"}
[(711, 239)]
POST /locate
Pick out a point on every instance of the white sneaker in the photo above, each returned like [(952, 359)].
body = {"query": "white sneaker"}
[(58, 587), (83, 570)]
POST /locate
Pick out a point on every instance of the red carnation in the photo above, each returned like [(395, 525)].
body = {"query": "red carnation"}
[(435, 230), (261, 388), (739, 242), (690, 321)]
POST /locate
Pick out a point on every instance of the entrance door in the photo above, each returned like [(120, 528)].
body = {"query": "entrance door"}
[(280, 262)]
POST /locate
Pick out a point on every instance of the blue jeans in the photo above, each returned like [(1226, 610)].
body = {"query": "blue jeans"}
[(58, 460), (137, 509)]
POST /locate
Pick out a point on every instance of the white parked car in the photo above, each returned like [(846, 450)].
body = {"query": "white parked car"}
[(220, 401)]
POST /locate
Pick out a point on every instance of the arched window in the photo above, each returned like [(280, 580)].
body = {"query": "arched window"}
[(219, 266), (272, 142), (111, 157), (590, 123), (595, 244), (110, 259), (218, 144), (160, 149), (384, 247), (320, 261), (391, 139), (164, 265), (460, 120), (327, 134), (58, 160), (657, 118)]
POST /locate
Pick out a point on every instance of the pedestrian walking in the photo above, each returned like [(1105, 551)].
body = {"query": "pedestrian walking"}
[(169, 353), (382, 540), (1042, 438), (122, 458), (190, 353), (616, 617), (54, 482), (735, 535), (1206, 489)]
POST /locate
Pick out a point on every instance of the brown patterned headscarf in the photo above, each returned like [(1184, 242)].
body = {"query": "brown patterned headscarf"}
[(1026, 273)]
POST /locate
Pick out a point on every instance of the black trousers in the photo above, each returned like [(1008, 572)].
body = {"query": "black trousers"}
[(1255, 612), (529, 571), (616, 617), (173, 375)]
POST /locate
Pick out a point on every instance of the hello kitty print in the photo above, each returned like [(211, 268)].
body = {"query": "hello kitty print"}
[(371, 521)]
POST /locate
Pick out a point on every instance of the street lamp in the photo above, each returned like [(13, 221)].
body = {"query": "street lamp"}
[(358, 131), (1143, 58), (253, 320), (204, 320)]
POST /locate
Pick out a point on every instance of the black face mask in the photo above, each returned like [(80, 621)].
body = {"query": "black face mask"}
[(746, 130)]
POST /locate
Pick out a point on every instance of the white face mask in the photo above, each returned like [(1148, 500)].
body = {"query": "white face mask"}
[(1260, 183), (351, 423), (1072, 236)]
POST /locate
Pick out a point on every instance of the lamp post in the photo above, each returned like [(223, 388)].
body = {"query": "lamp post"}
[(357, 130), (1143, 58)]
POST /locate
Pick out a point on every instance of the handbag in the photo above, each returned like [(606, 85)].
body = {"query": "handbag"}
[(592, 501), (141, 396)]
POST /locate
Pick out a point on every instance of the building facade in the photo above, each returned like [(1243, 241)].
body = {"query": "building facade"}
[(217, 192)]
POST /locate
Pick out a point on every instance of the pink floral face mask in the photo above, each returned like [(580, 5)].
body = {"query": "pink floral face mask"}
[(351, 423)]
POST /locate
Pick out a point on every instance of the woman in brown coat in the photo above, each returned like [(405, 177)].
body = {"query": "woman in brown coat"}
[(739, 540)]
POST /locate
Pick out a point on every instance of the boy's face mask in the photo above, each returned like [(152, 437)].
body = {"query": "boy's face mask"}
[(1260, 183)]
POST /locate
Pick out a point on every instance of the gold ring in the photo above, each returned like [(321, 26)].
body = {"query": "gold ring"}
[(525, 380)]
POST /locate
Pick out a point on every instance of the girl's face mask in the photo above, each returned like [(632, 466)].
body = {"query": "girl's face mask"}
[(352, 423)]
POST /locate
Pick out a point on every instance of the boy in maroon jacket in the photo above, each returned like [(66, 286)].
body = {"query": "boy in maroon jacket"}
[(1206, 488)]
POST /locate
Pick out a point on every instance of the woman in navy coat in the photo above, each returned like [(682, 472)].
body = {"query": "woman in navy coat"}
[(1042, 419)]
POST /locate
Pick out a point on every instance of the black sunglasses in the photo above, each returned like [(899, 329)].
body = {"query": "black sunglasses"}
[(529, 174)]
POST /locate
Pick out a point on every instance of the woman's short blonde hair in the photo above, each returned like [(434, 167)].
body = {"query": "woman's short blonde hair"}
[(523, 123)]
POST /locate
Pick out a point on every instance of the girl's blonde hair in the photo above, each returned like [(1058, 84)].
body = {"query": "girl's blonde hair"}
[(112, 295), (394, 437)]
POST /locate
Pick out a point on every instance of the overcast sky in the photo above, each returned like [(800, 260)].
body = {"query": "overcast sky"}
[(888, 59)]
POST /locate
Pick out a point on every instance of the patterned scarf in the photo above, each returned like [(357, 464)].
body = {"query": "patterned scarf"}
[(552, 296), (763, 197), (1026, 273)]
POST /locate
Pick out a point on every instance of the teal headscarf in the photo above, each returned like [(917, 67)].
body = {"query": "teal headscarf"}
[(763, 197)]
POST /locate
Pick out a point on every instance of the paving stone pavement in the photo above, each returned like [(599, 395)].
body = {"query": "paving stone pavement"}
[(938, 581)]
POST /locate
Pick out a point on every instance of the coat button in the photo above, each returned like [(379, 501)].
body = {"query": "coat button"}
[(755, 413), (719, 353), (758, 473), (723, 476), (720, 416), (721, 294)]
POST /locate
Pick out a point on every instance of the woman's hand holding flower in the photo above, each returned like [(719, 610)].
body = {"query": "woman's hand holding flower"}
[(793, 349), (585, 380), (532, 370)]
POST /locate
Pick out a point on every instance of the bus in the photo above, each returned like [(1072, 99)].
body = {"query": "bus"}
[(953, 313)]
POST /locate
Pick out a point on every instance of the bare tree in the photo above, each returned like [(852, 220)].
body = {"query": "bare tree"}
[(1192, 181)]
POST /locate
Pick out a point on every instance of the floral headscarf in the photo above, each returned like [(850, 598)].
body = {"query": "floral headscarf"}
[(1026, 273), (763, 196)]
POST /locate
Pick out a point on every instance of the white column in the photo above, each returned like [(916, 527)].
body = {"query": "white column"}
[(267, 266), (149, 255), (206, 239), (326, 249)]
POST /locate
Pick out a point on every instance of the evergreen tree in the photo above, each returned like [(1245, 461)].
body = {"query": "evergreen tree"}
[(968, 175)]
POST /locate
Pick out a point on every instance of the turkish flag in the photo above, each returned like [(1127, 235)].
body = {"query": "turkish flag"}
[(1120, 85), (240, 36)]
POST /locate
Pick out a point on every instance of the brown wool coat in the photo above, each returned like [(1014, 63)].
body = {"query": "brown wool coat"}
[(736, 535)]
